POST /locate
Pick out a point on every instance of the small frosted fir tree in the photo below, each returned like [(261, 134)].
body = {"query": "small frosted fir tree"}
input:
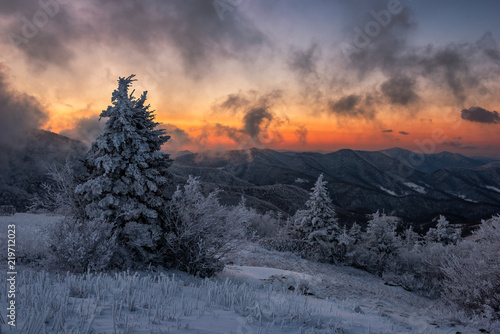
[(380, 243), (410, 238), (443, 233), (318, 223), (380, 237), (345, 243), (355, 232), (127, 176)]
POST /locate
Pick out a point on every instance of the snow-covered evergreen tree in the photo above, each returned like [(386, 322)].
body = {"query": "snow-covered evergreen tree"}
[(318, 223), (381, 234), (410, 238), (345, 243), (344, 238), (355, 232), (127, 174), (443, 232)]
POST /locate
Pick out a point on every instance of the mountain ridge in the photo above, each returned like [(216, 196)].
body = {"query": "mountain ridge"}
[(360, 182)]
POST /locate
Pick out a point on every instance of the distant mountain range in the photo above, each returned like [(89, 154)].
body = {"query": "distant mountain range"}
[(415, 187), (23, 165)]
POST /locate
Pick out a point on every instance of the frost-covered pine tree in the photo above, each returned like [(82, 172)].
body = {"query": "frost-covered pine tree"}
[(355, 232), (410, 238), (345, 243), (443, 233), (318, 223), (127, 174), (380, 236)]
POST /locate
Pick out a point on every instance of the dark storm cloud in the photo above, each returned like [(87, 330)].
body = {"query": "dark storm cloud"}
[(178, 137), (387, 131), (404, 133), (304, 62), (386, 49), (237, 135), (400, 90), (353, 106), (42, 30), (386, 45), (346, 104), (255, 121), (193, 27), (260, 124), (19, 113), (480, 115), (256, 128), (86, 129), (489, 46), (451, 64), (234, 103), (242, 102), (301, 133)]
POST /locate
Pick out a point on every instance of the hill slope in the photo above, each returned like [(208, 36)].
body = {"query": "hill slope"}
[(23, 168)]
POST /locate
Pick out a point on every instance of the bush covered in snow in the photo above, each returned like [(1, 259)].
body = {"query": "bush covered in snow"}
[(378, 245), (58, 195), (443, 233), (418, 269), (196, 230), (472, 270), (79, 246)]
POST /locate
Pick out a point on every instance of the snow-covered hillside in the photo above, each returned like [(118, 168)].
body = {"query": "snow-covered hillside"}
[(260, 291)]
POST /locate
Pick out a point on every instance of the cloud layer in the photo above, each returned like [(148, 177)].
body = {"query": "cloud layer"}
[(46, 30), (480, 115), (20, 113)]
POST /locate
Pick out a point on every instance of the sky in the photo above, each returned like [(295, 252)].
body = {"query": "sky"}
[(315, 75)]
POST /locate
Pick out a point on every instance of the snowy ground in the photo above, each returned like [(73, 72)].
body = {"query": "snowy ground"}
[(258, 292)]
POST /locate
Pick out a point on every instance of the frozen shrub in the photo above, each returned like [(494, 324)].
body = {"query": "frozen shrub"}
[(378, 246), (78, 246), (196, 230), (472, 272), (58, 195), (247, 222), (443, 233), (380, 235), (418, 269)]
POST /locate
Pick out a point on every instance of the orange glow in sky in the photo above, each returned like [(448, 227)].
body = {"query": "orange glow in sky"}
[(292, 76)]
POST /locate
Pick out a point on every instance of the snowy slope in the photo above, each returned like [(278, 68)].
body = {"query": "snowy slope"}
[(260, 291)]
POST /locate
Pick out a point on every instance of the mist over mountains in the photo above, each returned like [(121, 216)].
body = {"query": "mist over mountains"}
[(415, 187)]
